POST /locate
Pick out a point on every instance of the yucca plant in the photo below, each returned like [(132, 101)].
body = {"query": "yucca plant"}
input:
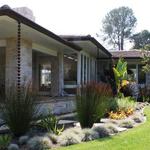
[(92, 103), (19, 110)]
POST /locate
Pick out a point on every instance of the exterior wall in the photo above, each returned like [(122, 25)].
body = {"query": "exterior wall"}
[(58, 106), (11, 61)]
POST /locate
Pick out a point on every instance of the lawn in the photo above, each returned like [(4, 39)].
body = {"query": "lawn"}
[(137, 138)]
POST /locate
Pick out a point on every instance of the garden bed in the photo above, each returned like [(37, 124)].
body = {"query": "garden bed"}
[(107, 127)]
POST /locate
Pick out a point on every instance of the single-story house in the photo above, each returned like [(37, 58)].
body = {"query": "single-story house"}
[(54, 65), (134, 59)]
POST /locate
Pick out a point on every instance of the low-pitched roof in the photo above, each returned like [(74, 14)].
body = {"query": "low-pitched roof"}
[(7, 11), (86, 38), (130, 54)]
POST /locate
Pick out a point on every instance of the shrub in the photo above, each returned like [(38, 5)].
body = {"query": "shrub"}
[(67, 138), (19, 109), (53, 138), (90, 135), (125, 103), (111, 128), (23, 140), (138, 118), (127, 124), (92, 103), (39, 143), (75, 130), (13, 147), (4, 141), (102, 131), (121, 108), (50, 123)]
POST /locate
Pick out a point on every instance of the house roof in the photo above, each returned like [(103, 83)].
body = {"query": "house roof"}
[(7, 11), (130, 54), (86, 38)]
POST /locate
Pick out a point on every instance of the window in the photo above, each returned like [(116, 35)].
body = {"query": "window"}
[(45, 77), (141, 75)]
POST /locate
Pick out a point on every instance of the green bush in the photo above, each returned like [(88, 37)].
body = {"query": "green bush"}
[(18, 110), (92, 103), (4, 141), (122, 104)]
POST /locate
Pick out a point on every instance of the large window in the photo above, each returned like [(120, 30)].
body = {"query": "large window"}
[(135, 73), (141, 75), (45, 77)]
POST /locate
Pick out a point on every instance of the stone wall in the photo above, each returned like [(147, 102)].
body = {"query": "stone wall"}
[(11, 61), (58, 106)]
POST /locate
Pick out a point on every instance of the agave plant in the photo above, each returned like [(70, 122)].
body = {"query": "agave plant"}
[(4, 141), (50, 123), (120, 73)]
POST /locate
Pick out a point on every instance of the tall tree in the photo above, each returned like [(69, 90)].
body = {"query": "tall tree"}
[(118, 25), (141, 39)]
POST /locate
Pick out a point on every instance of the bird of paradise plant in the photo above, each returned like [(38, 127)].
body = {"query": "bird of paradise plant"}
[(120, 73)]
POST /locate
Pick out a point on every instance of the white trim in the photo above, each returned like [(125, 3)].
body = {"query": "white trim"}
[(79, 69), (2, 43), (43, 49)]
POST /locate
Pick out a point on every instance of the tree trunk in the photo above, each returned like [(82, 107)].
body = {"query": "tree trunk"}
[(122, 43)]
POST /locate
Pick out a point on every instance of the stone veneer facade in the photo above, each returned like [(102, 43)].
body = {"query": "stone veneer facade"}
[(11, 61)]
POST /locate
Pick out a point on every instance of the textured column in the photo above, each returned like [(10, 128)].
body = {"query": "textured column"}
[(57, 75), (25, 61)]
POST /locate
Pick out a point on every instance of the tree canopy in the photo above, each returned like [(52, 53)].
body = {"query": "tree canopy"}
[(118, 25), (141, 40)]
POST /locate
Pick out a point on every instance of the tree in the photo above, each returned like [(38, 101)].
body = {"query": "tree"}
[(141, 39), (118, 25)]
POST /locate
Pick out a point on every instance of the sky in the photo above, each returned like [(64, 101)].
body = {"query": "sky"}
[(80, 17)]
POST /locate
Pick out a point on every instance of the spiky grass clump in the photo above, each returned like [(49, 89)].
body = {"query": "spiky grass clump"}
[(92, 103), (13, 147), (19, 110), (90, 135), (138, 118), (53, 138), (127, 124), (39, 143), (23, 139), (111, 128), (102, 131), (75, 130), (69, 137)]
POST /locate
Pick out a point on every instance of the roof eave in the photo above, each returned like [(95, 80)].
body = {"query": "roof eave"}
[(16, 16)]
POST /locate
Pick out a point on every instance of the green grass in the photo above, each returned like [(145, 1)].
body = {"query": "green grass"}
[(133, 139)]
